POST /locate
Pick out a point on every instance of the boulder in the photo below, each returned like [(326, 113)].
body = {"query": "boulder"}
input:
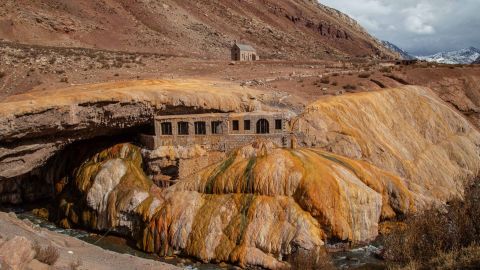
[(17, 252)]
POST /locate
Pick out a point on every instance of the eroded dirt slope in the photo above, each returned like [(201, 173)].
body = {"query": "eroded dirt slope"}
[(206, 28)]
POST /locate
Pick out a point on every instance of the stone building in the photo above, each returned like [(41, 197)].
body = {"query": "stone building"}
[(184, 144), (243, 52), (218, 131)]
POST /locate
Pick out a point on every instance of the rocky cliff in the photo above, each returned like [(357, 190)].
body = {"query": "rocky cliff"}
[(207, 28), (408, 131), (36, 126), (110, 191), (363, 158), (367, 161)]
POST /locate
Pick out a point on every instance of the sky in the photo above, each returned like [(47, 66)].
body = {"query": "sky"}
[(421, 27)]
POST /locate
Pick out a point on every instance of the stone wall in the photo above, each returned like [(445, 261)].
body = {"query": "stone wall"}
[(225, 140)]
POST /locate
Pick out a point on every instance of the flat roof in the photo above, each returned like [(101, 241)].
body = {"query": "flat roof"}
[(219, 115)]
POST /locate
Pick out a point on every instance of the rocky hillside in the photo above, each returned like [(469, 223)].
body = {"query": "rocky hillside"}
[(206, 28), (403, 54)]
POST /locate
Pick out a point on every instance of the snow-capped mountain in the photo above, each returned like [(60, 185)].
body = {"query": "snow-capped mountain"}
[(477, 61), (405, 55), (463, 56)]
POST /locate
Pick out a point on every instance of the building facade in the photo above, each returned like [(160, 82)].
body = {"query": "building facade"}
[(218, 131), (243, 52)]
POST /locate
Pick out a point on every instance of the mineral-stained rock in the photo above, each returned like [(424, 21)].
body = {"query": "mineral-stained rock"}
[(259, 204), (407, 131), (36, 126), (371, 157), (111, 192), (347, 197)]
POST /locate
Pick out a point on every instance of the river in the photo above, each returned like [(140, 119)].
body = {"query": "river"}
[(356, 259)]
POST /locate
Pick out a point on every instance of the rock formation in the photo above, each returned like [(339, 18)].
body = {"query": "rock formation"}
[(110, 191), (408, 131), (19, 240), (35, 126), (272, 200), (362, 159)]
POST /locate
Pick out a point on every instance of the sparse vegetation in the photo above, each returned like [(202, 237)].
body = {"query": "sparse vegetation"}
[(386, 70), (325, 80), (75, 264), (48, 255), (447, 235), (364, 75), (349, 87), (310, 260)]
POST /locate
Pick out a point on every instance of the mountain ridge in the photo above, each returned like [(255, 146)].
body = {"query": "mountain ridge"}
[(285, 29), (403, 54), (477, 61), (462, 56)]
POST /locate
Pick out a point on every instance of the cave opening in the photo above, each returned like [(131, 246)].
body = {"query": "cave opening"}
[(37, 187)]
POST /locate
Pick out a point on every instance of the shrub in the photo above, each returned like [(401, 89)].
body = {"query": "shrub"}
[(317, 259), (435, 231), (386, 69), (325, 80), (335, 74), (349, 87), (335, 83), (2, 74), (48, 255), (364, 75), (75, 264), (64, 80)]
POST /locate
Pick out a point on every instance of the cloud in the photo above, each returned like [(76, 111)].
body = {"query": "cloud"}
[(419, 26), (416, 25), (418, 18)]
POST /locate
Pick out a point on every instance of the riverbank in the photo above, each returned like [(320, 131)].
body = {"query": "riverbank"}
[(72, 251)]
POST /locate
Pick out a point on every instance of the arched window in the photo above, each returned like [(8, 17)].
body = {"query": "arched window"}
[(182, 128), (263, 126)]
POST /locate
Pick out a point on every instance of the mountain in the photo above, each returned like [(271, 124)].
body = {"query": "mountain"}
[(283, 29), (403, 54), (463, 56), (477, 61)]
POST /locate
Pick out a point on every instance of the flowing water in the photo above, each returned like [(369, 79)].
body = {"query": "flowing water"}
[(359, 258), (116, 244)]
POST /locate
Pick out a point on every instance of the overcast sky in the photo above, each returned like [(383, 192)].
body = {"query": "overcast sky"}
[(420, 27)]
